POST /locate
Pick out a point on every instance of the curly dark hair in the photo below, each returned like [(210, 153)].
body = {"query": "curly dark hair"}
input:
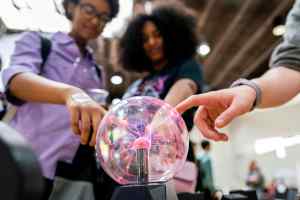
[(114, 6), (177, 29)]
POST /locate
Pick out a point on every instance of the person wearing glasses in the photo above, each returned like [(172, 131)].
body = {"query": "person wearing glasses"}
[(54, 113), (277, 86)]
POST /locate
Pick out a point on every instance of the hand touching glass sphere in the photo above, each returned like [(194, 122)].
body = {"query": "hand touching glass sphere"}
[(142, 140)]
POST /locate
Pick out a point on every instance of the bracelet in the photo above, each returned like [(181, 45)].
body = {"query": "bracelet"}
[(251, 84), (81, 98)]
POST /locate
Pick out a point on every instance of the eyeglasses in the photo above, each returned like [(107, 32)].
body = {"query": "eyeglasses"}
[(91, 11)]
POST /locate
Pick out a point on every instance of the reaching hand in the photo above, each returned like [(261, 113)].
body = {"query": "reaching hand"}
[(219, 108), (86, 115)]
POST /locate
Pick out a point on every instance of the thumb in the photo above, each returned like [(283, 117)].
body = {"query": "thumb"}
[(233, 111)]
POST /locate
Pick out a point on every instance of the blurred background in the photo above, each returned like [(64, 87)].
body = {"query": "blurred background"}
[(237, 38)]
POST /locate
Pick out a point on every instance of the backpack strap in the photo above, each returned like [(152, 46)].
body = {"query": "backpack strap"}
[(11, 110), (45, 51), (98, 71)]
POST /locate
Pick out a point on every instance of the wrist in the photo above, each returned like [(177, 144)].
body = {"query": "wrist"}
[(254, 86), (249, 95), (69, 92)]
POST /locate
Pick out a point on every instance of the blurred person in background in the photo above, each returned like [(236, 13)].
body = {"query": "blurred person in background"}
[(54, 113), (255, 179), (162, 44), (205, 181)]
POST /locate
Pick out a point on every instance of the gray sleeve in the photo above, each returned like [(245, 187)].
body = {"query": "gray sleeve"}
[(287, 53)]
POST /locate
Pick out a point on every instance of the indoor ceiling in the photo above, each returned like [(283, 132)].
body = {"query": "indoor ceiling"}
[(239, 33)]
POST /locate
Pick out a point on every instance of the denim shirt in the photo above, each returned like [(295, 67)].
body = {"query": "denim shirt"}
[(287, 53), (47, 127)]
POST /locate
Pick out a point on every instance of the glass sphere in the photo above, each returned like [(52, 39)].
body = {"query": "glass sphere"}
[(142, 140)]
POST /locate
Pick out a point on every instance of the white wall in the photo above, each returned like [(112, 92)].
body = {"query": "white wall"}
[(7, 44), (231, 159)]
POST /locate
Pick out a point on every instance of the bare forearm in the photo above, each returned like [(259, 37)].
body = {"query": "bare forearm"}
[(181, 90), (278, 85), (31, 87)]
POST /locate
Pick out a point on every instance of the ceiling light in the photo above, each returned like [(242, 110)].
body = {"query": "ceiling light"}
[(278, 30), (277, 144), (203, 49), (148, 6), (267, 145), (116, 79)]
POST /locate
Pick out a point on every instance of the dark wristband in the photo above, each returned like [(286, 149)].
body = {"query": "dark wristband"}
[(251, 84)]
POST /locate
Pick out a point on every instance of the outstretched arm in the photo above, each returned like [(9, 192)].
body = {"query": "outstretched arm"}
[(22, 82), (218, 108), (34, 88), (181, 90), (278, 86)]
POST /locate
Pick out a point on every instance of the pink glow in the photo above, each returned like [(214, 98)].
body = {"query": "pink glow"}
[(141, 143), (142, 123)]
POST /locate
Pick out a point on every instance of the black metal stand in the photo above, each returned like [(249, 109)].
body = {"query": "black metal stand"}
[(144, 192)]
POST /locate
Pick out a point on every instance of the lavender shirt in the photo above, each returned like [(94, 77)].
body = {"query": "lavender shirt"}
[(47, 126)]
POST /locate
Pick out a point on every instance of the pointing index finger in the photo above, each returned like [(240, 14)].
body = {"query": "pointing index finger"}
[(195, 100)]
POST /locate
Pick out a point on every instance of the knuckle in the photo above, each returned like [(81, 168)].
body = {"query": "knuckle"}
[(74, 123), (84, 139), (73, 107), (75, 129), (85, 128)]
